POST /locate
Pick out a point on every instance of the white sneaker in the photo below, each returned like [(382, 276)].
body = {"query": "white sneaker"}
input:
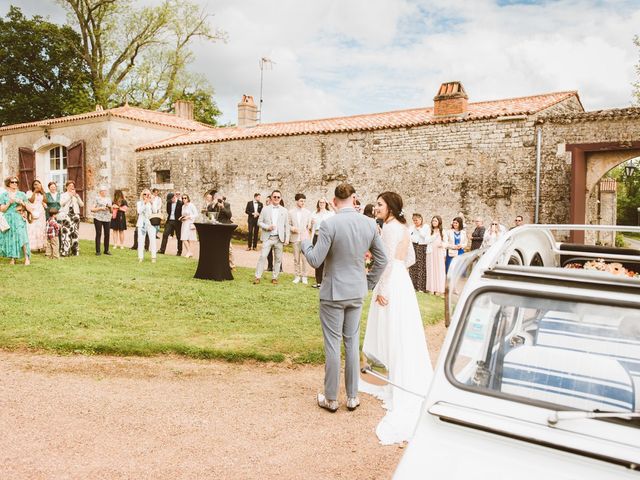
[(296, 280), (305, 281)]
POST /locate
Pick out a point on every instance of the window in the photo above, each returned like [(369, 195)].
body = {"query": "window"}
[(163, 176), (58, 166), (573, 354)]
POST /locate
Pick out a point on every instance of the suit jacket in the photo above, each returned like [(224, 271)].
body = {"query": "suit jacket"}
[(265, 220), (299, 225), (224, 212), (178, 212), (249, 210), (342, 243)]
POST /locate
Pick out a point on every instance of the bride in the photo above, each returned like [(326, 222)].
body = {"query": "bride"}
[(395, 335)]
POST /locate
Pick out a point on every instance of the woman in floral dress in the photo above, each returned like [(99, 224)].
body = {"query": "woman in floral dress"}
[(14, 242), (37, 228)]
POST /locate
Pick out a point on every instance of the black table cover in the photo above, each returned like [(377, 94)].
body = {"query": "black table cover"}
[(214, 250)]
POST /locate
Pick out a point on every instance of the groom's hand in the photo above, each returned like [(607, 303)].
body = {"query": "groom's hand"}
[(382, 301)]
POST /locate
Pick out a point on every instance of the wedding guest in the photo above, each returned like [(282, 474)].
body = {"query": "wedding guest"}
[(455, 241), (369, 210), (320, 215), (270, 256), (519, 221), (36, 229), (119, 217), (436, 252), (144, 227), (418, 234), (14, 242), (224, 216), (494, 232), (52, 198), (274, 222), (172, 225), (156, 206), (52, 249), (477, 236), (69, 215), (188, 229), (299, 218), (102, 218), (208, 203), (253, 212)]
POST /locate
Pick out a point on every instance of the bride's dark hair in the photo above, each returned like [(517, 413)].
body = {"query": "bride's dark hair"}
[(394, 204)]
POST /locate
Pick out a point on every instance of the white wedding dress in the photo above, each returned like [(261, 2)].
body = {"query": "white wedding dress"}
[(395, 337)]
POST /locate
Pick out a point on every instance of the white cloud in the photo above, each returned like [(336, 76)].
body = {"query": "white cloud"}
[(344, 57)]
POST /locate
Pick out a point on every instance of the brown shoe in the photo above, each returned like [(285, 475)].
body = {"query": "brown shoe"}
[(274, 281), (256, 281)]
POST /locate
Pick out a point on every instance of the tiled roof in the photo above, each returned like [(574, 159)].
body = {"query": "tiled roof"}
[(612, 113), (125, 112), (376, 121)]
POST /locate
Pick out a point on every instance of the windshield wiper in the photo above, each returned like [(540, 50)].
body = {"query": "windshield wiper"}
[(556, 417)]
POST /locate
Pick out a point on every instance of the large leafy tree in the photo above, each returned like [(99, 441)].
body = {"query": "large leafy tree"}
[(628, 195), (141, 54), (41, 73)]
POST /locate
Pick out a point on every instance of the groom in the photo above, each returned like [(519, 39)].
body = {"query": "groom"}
[(342, 243)]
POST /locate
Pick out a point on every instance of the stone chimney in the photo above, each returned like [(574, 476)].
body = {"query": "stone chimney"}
[(450, 101), (184, 109), (247, 112)]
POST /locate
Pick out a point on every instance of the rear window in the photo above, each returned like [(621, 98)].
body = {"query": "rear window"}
[(575, 355)]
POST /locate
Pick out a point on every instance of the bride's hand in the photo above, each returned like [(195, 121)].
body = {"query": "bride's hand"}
[(382, 301)]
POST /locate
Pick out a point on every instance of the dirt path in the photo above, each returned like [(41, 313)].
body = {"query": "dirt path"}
[(168, 417)]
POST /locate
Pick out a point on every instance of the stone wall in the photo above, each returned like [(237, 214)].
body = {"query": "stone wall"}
[(483, 167), (590, 127)]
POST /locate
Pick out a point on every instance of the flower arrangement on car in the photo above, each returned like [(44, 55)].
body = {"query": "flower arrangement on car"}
[(600, 265)]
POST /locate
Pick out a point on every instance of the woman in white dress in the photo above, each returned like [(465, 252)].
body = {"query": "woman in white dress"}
[(395, 334), (37, 228), (188, 229), (145, 210)]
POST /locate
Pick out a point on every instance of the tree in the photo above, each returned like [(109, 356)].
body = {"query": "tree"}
[(139, 53), (628, 195), (41, 73)]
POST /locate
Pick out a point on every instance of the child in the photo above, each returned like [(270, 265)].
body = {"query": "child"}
[(52, 249)]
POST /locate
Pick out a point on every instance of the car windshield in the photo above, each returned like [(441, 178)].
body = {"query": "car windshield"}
[(575, 355)]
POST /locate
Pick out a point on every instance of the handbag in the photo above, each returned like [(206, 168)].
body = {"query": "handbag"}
[(4, 225), (155, 219), (452, 252)]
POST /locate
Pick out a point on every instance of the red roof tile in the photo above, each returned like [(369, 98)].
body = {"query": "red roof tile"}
[(376, 121), (125, 112)]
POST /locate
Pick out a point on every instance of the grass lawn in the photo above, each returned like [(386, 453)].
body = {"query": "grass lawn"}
[(115, 305)]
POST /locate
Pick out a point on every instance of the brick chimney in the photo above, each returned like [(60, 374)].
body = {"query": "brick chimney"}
[(184, 109), (450, 101), (247, 112)]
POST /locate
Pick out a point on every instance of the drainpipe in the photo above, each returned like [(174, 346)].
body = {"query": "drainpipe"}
[(536, 216)]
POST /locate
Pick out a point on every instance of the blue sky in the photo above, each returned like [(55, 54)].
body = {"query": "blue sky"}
[(345, 57)]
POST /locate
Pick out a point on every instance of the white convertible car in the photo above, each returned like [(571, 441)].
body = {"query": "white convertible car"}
[(539, 376)]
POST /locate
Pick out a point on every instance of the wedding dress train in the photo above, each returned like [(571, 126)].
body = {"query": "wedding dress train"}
[(395, 336)]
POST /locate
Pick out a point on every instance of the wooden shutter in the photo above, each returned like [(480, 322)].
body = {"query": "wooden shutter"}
[(26, 167), (76, 170)]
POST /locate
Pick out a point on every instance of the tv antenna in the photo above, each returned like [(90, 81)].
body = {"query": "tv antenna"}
[(264, 63)]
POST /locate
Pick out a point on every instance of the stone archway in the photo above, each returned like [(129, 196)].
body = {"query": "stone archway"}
[(589, 163)]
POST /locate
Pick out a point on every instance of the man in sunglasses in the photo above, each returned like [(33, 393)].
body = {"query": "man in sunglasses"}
[(274, 223), (172, 225)]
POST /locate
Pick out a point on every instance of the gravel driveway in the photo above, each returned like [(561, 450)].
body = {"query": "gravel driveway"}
[(67, 417)]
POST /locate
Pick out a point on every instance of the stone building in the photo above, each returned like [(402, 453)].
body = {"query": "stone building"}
[(478, 158), (92, 148), (540, 156)]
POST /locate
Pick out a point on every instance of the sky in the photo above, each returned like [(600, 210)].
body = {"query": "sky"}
[(347, 57)]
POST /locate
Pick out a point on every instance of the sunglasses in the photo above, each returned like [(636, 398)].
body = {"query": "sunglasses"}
[(494, 224), (13, 181), (276, 198), (185, 198)]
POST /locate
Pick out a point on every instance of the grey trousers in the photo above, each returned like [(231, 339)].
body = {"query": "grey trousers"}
[(341, 322), (272, 241)]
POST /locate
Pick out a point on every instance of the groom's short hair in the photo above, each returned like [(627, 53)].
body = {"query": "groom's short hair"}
[(344, 191)]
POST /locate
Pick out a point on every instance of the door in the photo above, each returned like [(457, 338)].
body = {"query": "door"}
[(76, 170), (26, 167)]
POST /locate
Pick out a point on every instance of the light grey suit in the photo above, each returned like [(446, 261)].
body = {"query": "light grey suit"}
[(342, 243), (272, 238)]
